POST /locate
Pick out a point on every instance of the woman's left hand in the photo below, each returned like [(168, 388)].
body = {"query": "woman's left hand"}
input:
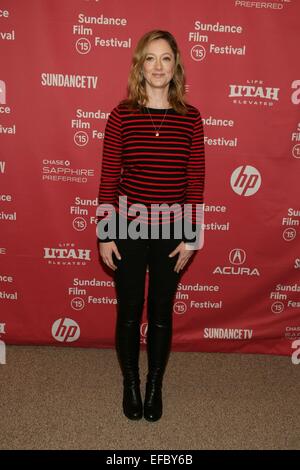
[(184, 256)]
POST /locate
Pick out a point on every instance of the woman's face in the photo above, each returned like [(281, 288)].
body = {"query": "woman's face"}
[(159, 64)]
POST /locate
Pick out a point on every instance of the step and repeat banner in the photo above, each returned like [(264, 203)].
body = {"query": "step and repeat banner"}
[(64, 65)]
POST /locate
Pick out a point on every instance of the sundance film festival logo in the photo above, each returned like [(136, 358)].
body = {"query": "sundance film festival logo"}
[(65, 330), (245, 180)]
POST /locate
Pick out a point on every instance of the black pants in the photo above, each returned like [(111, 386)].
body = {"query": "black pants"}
[(129, 280)]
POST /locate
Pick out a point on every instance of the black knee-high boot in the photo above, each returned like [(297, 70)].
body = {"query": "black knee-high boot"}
[(159, 341), (128, 348)]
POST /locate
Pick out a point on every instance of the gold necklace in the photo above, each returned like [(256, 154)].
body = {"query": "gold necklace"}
[(157, 130)]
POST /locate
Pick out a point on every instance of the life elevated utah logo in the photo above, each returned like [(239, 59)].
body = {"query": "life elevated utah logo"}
[(67, 254), (237, 259), (253, 93)]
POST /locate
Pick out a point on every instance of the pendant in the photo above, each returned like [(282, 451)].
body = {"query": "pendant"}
[(157, 134)]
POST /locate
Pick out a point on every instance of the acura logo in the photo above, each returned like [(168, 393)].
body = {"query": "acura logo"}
[(237, 256)]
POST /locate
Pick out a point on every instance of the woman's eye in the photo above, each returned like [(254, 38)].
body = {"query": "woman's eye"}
[(165, 58)]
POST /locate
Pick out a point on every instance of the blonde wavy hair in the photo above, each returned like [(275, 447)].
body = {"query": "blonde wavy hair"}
[(136, 89)]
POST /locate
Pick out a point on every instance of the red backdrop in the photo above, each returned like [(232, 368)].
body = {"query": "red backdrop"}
[(64, 66)]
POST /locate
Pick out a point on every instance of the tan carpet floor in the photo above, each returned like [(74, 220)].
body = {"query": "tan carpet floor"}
[(70, 398)]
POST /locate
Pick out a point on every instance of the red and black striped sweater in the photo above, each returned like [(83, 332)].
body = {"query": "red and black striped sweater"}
[(150, 169)]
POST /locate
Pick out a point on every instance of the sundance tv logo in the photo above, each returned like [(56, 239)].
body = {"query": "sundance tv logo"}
[(65, 330)]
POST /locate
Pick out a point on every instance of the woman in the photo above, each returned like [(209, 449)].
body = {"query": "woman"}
[(153, 153)]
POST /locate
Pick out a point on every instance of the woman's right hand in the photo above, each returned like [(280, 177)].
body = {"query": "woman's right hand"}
[(106, 250)]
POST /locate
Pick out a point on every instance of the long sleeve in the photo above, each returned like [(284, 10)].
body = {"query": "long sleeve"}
[(194, 197), (110, 171)]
